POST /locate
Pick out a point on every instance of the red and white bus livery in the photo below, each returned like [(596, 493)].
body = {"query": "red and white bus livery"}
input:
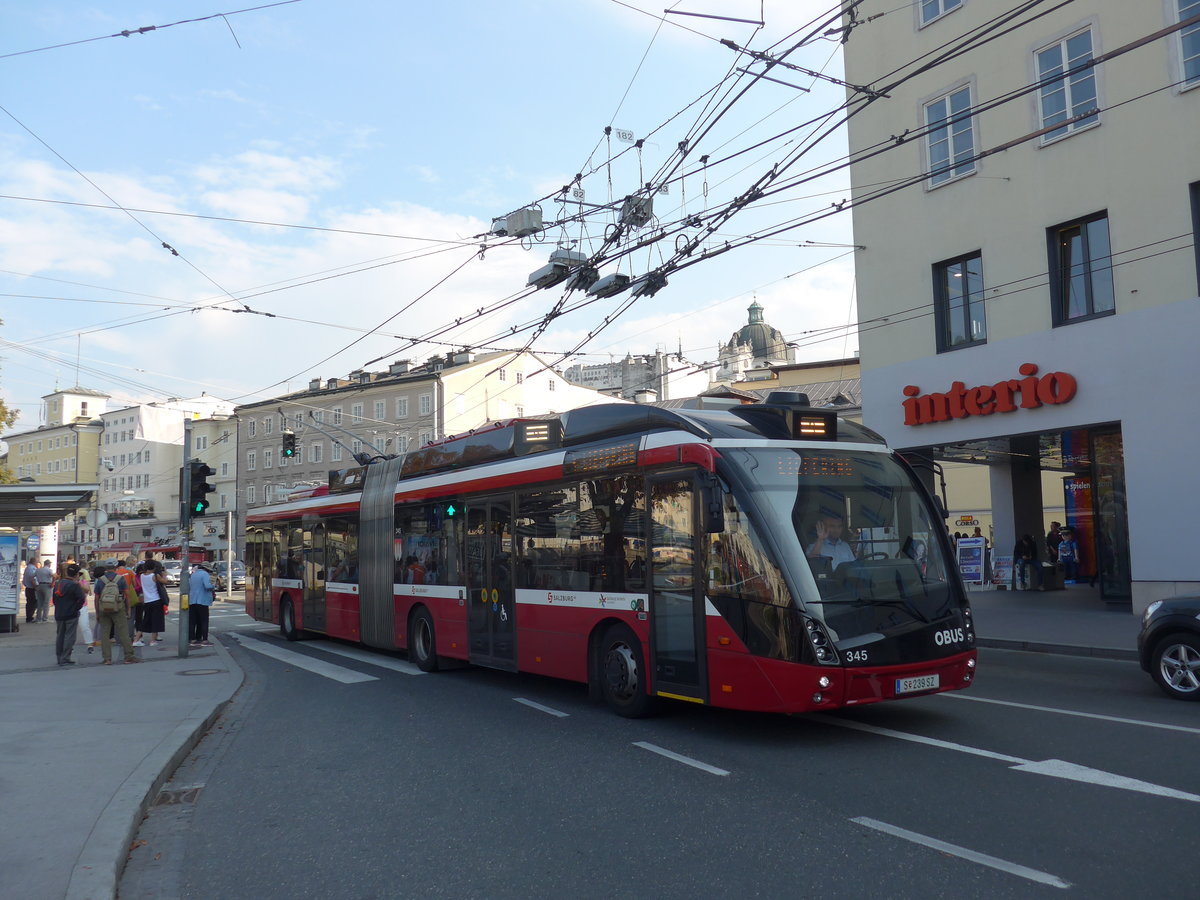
[(761, 557)]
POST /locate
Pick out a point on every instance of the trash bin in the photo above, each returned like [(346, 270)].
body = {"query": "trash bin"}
[(1052, 579)]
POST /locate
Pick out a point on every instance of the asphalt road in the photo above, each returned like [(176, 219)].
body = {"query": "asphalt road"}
[(364, 779)]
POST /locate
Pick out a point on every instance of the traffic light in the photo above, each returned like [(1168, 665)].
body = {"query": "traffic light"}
[(198, 487), (289, 445)]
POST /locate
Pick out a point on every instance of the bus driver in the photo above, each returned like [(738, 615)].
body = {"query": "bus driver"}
[(829, 540)]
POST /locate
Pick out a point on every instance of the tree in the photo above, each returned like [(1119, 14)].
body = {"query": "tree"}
[(7, 417)]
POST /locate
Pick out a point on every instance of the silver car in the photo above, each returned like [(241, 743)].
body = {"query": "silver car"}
[(171, 571)]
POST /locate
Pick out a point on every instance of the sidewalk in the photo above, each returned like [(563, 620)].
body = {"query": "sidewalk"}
[(1073, 621), (87, 747)]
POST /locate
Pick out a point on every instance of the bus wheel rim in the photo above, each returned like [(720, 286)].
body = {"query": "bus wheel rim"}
[(621, 672)]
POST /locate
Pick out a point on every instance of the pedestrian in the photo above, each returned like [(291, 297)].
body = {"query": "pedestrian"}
[(45, 586), (1025, 559), (29, 582), (68, 601), (85, 618), (112, 612), (125, 569), (1068, 555), (1053, 539), (154, 590), (200, 599)]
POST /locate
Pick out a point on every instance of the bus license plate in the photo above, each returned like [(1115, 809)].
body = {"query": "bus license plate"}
[(919, 683)]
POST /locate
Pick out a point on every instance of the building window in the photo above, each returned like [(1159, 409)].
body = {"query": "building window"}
[(1189, 39), (251, 460), (299, 421), (337, 415), (401, 407), (425, 436), (252, 427), (520, 377), (552, 383), (268, 458), (356, 414), (1195, 190), (1065, 96), (224, 468), (268, 424), (520, 411), (250, 493), (1081, 279), (503, 375), (935, 9), (146, 456), (425, 404), (356, 447), (958, 296), (950, 142), (83, 404), (317, 452), (224, 502), (402, 443), (335, 455), (319, 416), (380, 410)]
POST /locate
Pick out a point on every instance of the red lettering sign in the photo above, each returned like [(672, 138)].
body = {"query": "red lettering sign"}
[(1029, 392)]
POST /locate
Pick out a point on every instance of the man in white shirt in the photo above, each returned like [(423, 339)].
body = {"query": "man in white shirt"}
[(829, 540)]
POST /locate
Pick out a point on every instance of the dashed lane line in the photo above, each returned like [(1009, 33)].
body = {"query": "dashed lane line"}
[(546, 709), (686, 760), (1073, 712)]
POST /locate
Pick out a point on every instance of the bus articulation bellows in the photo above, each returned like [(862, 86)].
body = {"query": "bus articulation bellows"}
[(765, 557)]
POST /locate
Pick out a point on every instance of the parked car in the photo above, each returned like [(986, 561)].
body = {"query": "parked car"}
[(171, 571), (239, 575), (1169, 646)]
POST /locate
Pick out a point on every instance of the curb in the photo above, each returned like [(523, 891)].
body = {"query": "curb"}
[(1060, 649), (100, 862)]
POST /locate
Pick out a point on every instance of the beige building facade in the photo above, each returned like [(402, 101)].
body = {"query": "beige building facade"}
[(1028, 291)]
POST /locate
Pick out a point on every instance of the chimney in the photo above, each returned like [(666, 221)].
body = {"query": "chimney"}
[(399, 367), (645, 396), (315, 384)]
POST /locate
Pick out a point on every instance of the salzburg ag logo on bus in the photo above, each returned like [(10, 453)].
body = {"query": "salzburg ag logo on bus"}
[(1029, 392)]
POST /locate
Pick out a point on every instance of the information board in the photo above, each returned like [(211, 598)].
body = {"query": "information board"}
[(970, 559)]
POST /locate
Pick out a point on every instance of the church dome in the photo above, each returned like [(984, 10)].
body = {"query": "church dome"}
[(765, 342)]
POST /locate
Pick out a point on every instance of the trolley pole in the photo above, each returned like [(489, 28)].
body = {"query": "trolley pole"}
[(185, 531)]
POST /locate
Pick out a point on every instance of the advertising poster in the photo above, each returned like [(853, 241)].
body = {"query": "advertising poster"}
[(970, 560), (10, 574), (1002, 570)]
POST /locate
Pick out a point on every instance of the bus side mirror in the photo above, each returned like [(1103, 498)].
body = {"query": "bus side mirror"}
[(712, 502)]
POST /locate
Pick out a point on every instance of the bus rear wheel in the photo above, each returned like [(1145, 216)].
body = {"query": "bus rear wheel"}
[(621, 669), (422, 641), (287, 621)]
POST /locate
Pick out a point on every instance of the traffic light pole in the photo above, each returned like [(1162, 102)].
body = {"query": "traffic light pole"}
[(185, 532)]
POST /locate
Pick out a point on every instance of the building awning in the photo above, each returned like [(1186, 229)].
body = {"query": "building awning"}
[(28, 505)]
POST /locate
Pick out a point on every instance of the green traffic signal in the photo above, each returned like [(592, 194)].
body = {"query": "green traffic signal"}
[(198, 486), (289, 444)]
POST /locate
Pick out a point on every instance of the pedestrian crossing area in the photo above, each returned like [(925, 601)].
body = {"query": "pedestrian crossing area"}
[(252, 639)]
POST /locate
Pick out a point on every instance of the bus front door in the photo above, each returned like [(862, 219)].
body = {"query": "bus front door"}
[(676, 590), (314, 583), (489, 576)]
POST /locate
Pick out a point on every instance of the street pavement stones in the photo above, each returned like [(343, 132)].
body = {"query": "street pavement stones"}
[(87, 748)]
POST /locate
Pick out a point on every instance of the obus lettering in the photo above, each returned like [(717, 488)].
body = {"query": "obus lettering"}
[(948, 636), (961, 401)]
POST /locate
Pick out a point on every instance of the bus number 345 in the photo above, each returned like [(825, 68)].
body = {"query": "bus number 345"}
[(856, 656)]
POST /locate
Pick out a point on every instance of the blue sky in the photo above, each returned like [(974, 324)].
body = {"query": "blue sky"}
[(392, 133)]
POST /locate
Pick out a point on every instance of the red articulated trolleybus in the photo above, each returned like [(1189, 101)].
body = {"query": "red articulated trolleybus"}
[(761, 557)]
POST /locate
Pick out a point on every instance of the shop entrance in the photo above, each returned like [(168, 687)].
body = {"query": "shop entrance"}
[(1020, 484)]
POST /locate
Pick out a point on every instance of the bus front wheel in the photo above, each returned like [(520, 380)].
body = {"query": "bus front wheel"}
[(422, 641), (287, 621), (622, 672)]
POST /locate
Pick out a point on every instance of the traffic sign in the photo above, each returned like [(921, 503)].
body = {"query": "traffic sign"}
[(33, 542)]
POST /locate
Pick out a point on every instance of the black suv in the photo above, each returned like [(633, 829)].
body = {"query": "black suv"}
[(1169, 646)]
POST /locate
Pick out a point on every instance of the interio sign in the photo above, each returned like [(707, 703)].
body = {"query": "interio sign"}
[(960, 401)]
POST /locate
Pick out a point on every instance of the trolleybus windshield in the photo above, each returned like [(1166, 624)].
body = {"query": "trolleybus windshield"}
[(859, 534)]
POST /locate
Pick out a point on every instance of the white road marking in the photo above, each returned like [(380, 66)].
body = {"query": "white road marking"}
[(545, 709), (300, 661), (957, 695), (1055, 768), (686, 760), (972, 855), (384, 662), (916, 738)]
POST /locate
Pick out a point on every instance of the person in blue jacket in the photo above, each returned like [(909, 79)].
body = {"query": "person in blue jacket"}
[(200, 598)]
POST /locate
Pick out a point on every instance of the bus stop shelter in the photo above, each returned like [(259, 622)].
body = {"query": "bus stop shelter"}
[(25, 506)]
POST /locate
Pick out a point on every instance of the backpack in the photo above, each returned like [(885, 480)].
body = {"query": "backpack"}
[(110, 595)]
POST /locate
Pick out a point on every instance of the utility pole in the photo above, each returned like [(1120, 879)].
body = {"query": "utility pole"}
[(185, 532)]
